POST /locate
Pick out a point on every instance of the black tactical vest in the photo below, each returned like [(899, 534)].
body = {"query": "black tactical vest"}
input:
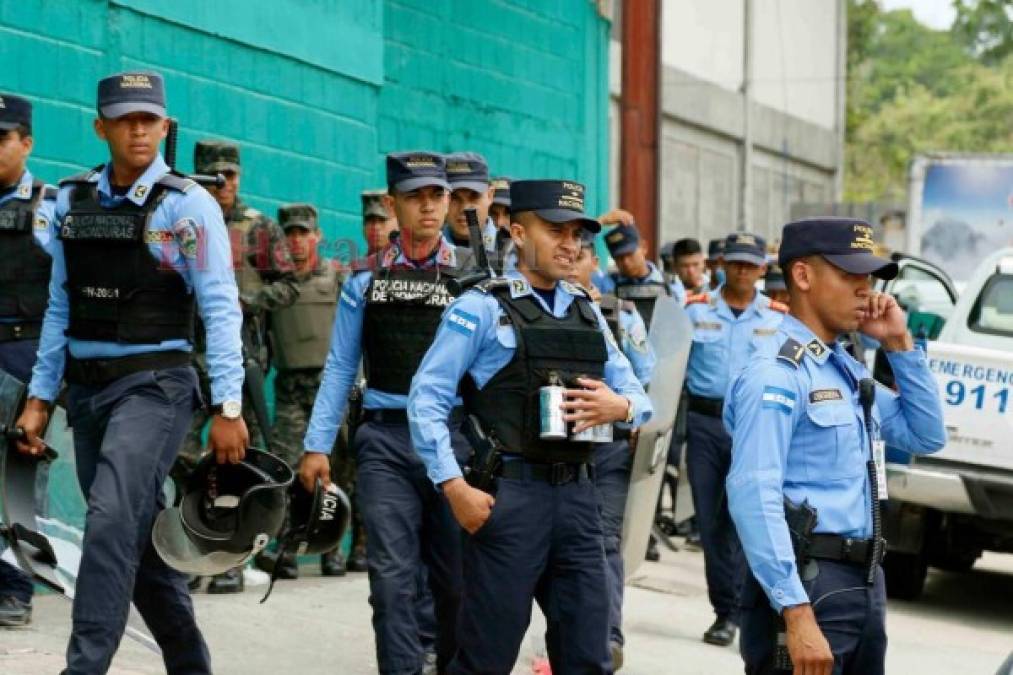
[(508, 405), (118, 290), (610, 306), (641, 294), (24, 265), (403, 310)]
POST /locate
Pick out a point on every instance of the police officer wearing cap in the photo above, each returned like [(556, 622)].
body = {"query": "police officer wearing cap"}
[(140, 250), (715, 262), (378, 224), (26, 239), (468, 175), (725, 324), (637, 279), (773, 285), (499, 210), (800, 433), (500, 343), (388, 313), (613, 461)]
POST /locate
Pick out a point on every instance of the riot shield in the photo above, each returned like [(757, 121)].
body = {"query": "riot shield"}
[(670, 336)]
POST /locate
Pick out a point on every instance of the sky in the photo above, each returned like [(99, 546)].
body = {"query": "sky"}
[(936, 14)]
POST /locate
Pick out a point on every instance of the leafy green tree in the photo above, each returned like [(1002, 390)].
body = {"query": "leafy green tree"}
[(985, 27)]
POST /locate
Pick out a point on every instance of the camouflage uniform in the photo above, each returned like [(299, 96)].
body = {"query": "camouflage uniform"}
[(266, 279)]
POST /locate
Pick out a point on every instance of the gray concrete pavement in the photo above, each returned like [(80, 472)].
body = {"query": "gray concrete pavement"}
[(964, 624)]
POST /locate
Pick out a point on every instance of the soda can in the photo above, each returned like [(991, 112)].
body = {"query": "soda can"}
[(603, 433), (551, 404), (587, 435)]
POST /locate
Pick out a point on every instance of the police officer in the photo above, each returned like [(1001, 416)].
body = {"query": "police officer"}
[(725, 323), (264, 275), (715, 262), (688, 265), (140, 249), (774, 286), (26, 239), (377, 222), (300, 337), (501, 343), (388, 313), (499, 210), (468, 175), (613, 461), (637, 278), (799, 433)]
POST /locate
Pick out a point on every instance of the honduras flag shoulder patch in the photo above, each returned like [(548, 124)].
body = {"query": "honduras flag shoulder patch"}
[(462, 322), (779, 399)]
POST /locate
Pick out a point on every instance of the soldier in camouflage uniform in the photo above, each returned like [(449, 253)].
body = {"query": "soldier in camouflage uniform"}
[(266, 280)]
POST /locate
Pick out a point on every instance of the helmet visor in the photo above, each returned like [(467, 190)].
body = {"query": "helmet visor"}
[(182, 549)]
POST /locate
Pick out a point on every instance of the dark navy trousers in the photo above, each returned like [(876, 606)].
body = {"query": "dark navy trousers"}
[(541, 542), (408, 523), (851, 615), (708, 459), (126, 437), (612, 477), (17, 358)]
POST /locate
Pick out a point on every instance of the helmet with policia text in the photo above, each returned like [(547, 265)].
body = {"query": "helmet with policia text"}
[(227, 514)]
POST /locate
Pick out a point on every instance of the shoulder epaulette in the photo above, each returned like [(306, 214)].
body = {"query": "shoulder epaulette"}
[(791, 352), (696, 299), (83, 177), (778, 306), (176, 181)]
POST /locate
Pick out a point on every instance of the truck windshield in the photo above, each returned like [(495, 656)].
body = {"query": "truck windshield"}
[(993, 313)]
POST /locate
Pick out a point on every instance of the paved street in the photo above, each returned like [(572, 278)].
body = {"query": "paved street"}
[(964, 624)]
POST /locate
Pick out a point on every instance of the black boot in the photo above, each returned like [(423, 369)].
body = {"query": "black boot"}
[(14, 613), (230, 581), (653, 554), (288, 567), (332, 564), (721, 633), (193, 583)]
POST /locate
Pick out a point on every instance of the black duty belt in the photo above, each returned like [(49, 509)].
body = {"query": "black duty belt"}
[(620, 434), (711, 407), (100, 372), (400, 416), (559, 473), (28, 330), (842, 549)]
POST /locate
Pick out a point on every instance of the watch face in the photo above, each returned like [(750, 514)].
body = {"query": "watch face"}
[(231, 409)]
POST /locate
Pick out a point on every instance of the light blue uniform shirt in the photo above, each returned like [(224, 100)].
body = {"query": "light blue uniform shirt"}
[(42, 228), (472, 340), (634, 345), (799, 430), (345, 353), (722, 342), (196, 245)]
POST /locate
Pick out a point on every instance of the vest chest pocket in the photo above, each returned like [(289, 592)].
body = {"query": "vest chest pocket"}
[(834, 449)]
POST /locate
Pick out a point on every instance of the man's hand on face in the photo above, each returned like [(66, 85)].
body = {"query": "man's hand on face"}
[(886, 322)]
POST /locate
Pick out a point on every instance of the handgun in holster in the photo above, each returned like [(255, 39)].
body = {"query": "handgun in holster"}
[(353, 416), (801, 520), (485, 455)]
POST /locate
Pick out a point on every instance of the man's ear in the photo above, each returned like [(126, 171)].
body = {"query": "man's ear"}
[(518, 234), (99, 127), (802, 273)]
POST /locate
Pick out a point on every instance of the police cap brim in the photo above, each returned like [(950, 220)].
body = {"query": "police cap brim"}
[(476, 185), (410, 184), (177, 549), (863, 263), (745, 257), (115, 110), (566, 216), (7, 126)]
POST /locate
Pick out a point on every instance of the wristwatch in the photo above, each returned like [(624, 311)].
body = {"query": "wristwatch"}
[(230, 410), (630, 412)]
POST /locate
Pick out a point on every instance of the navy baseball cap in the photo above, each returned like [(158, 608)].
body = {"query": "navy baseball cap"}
[(715, 249), (135, 91), (587, 239), (467, 170), (502, 187), (844, 242), (667, 251), (14, 112), (622, 239), (745, 247), (407, 171), (557, 201), (773, 280)]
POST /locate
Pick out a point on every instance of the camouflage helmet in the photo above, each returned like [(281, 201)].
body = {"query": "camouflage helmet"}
[(298, 215), (211, 157)]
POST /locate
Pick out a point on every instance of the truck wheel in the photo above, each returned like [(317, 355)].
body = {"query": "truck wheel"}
[(905, 575)]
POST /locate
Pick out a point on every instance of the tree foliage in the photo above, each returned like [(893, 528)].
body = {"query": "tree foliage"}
[(913, 89)]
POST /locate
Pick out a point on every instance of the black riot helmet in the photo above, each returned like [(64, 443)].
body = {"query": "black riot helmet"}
[(227, 514)]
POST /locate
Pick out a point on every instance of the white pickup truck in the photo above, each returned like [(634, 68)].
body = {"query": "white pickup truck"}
[(946, 508)]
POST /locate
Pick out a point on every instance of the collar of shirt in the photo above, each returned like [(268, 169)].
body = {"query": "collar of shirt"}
[(798, 331), (444, 255), (759, 303), (141, 188), (565, 292), (22, 190)]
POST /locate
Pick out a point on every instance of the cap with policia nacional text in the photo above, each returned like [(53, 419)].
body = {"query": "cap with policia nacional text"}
[(298, 214), (745, 247), (715, 249), (501, 195), (372, 204), (622, 239), (467, 171), (130, 92), (213, 157), (407, 171), (14, 112), (557, 201), (845, 243)]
